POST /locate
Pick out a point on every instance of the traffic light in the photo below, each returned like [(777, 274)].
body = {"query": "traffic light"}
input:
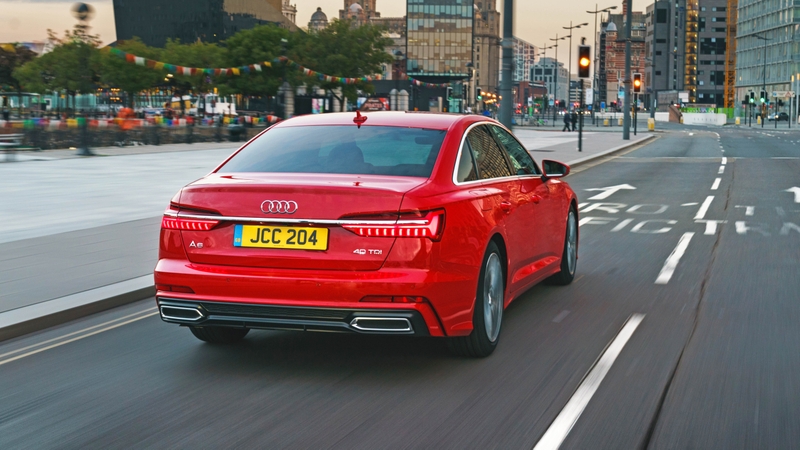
[(478, 93), (637, 83), (584, 61), (763, 97), (752, 97), (449, 93)]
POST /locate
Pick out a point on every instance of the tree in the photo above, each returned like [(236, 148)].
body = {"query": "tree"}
[(256, 46), (130, 78), (344, 50), (13, 56), (72, 65), (196, 55)]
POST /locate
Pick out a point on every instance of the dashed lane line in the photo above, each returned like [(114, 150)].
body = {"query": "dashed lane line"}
[(566, 419), (715, 186), (674, 258), (701, 213)]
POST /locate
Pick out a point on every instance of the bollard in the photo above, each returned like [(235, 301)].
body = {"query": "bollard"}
[(619, 121), (738, 121), (606, 122), (651, 124), (758, 120)]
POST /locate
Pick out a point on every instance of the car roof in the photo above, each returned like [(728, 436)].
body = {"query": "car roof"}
[(412, 119)]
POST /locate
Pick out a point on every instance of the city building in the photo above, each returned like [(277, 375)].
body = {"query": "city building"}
[(524, 59), (766, 28), (365, 11), (690, 49), (439, 39), (289, 11), (614, 51), (486, 52), (554, 76), (155, 21), (318, 21)]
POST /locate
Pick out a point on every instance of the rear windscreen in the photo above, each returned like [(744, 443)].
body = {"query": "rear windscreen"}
[(341, 149)]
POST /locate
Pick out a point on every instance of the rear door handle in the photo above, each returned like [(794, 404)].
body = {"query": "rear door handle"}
[(505, 206)]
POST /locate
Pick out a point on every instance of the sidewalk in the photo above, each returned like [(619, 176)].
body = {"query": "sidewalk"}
[(80, 235)]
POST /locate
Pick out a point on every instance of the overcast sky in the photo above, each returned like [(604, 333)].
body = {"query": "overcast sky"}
[(535, 21)]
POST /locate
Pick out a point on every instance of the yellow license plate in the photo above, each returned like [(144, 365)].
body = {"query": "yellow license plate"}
[(295, 238)]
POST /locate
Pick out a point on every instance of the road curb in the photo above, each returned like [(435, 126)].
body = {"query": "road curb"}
[(586, 159), (39, 316)]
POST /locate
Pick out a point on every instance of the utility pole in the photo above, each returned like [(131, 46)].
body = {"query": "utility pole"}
[(506, 109), (597, 57), (653, 91), (555, 78), (626, 108)]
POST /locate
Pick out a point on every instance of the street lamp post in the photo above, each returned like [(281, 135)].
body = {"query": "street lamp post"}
[(764, 77), (398, 56), (597, 56), (569, 71), (470, 69), (555, 78)]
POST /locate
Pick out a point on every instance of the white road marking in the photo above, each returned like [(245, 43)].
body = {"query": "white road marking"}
[(581, 205), (621, 225), (596, 220), (711, 226), (608, 191), (77, 338), (724, 160), (748, 210), (789, 226), (716, 184), (742, 228), (690, 204), (721, 170), (691, 134), (672, 260), (780, 211), (562, 425), (796, 191), (704, 207)]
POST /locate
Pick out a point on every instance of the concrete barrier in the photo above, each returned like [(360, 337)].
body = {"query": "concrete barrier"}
[(704, 119)]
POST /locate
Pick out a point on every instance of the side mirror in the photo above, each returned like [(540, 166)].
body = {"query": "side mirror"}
[(554, 169)]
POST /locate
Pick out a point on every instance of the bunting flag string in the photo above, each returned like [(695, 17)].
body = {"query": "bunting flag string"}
[(237, 71)]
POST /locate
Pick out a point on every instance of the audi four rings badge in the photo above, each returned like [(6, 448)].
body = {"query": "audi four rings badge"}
[(279, 207)]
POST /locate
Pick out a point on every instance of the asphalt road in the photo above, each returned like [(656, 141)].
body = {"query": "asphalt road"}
[(713, 363)]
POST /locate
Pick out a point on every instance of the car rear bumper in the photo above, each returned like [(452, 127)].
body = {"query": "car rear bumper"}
[(228, 314), (319, 300)]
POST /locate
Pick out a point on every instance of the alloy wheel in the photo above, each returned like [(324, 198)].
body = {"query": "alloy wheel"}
[(493, 296)]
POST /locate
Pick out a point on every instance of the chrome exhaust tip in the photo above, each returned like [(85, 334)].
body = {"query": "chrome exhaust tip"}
[(180, 313), (382, 324)]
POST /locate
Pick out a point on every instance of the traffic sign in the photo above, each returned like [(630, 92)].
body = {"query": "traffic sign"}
[(783, 94)]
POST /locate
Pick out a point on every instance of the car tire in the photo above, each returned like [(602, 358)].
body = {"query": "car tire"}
[(569, 256), (487, 317), (219, 335)]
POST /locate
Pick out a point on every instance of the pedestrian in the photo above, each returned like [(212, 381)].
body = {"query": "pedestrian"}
[(574, 119), (567, 121)]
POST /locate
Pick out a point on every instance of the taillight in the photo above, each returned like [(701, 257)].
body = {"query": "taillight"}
[(430, 225), (180, 223)]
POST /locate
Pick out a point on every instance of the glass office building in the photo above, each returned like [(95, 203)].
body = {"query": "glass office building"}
[(439, 34), (767, 46)]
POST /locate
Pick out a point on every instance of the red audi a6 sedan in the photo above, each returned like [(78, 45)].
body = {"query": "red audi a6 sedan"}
[(391, 223)]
